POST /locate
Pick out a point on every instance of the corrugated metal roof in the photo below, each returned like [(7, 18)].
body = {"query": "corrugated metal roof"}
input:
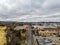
[(19, 27), (45, 26)]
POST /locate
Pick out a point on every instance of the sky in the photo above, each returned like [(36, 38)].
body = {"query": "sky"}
[(30, 10)]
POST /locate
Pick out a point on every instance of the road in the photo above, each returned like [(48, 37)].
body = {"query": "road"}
[(30, 39)]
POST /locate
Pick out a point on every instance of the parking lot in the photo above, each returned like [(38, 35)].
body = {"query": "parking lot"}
[(47, 40)]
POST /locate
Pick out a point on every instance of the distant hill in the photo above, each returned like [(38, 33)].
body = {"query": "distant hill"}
[(14, 22)]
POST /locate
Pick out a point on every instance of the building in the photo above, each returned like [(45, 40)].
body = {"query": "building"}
[(47, 29)]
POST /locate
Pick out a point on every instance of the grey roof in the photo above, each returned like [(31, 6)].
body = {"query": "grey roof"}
[(45, 26)]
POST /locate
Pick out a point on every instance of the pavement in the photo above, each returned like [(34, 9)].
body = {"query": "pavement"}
[(30, 38)]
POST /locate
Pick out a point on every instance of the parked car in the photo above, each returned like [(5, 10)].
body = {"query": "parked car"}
[(45, 41), (49, 42)]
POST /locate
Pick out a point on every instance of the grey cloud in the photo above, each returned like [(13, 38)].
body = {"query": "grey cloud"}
[(30, 10)]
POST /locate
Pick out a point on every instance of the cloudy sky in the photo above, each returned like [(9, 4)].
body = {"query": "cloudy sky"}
[(30, 10)]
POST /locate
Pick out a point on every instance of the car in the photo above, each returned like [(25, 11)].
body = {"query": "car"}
[(45, 41), (40, 42), (49, 42)]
